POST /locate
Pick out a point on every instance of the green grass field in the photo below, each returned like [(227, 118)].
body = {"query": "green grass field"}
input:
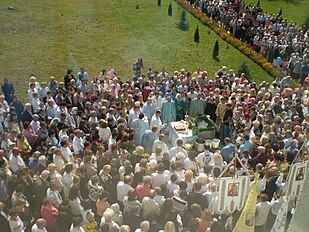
[(45, 38), (292, 12)]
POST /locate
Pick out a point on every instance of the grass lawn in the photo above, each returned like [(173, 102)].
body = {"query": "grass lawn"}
[(292, 12), (46, 38)]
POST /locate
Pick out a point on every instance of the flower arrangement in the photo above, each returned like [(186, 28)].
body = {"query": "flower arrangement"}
[(91, 227), (254, 56)]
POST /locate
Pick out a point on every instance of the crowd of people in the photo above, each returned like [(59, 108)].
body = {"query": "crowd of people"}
[(283, 43), (92, 154)]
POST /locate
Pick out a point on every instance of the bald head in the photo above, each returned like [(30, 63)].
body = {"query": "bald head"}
[(45, 174), (41, 223)]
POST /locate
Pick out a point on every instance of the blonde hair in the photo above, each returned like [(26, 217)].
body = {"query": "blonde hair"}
[(169, 227), (218, 159), (52, 167), (202, 178), (206, 215), (139, 150), (106, 169), (188, 175)]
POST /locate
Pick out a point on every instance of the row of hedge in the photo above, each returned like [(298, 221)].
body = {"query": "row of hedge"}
[(256, 57)]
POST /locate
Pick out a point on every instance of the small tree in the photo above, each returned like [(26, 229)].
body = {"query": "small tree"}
[(215, 53), (258, 3), (280, 11), (170, 10), (197, 35), (243, 68), (183, 23), (159, 2)]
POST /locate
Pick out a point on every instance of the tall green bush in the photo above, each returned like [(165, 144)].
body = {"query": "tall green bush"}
[(170, 10), (244, 68), (215, 53), (183, 22), (197, 35)]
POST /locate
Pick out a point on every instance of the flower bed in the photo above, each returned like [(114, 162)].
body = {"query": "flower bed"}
[(254, 56)]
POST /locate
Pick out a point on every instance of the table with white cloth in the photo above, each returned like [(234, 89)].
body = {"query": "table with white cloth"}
[(185, 134)]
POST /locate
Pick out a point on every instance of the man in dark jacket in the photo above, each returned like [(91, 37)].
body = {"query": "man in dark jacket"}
[(8, 90), (40, 187), (197, 197)]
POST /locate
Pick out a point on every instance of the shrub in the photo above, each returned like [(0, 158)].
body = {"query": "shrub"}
[(170, 10), (243, 68), (183, 23), (196, 35), (215, 53)]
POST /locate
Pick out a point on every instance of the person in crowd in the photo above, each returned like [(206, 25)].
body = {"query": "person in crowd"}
[(78, 161)]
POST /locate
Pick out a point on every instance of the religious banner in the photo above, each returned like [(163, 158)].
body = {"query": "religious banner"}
[(279, 225), (232, 193), (246, 220), (296, 178)]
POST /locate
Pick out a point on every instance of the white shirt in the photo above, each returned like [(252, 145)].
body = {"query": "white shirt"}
[(58, 160), (150, 206), (17, 226), (276, 205), (261, 213), (36, 104), (156, 121), (68, 182), (159, 143), (210, 195), (157, 102), (132, 115), (105, 133), (16, 163), (175, 150), (122, 190), (35, 125), (213, 205), (36, 229), (159, 199), (67, 154), (158, 179), (78, 144), (190, 165), (172, 186), (76, 207)]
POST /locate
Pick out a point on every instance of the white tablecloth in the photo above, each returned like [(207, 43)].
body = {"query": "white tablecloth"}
[(173, 135)]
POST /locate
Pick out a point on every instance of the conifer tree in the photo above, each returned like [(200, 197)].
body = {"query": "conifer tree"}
[(215, 53), (196, 35), (183, 23), (170, 10)]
